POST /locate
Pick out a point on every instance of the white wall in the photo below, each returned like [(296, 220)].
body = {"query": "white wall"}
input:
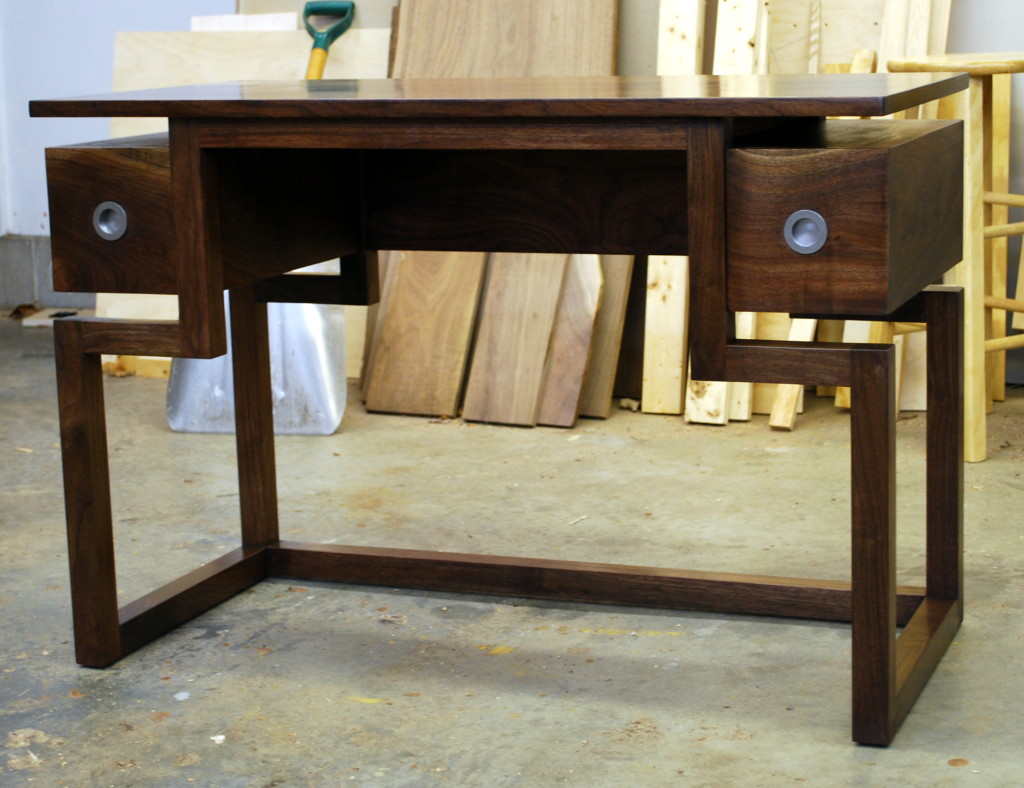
[(62, 48)]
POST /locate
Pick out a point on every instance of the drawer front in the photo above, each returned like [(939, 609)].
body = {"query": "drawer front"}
[(112, 225), (110, 217), (855, 226)]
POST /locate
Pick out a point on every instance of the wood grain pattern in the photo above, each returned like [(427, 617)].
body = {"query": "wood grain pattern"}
[(506, 375), (885, 242), (503, 38), (87, 504), (682, 37), (719, 592), (553, 99), (665, 334), (788, 396), (495, 38), (599, 384), (418, 367), (572, 339)]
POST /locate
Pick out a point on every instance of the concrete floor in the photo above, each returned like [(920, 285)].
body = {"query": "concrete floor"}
[(315, 685)]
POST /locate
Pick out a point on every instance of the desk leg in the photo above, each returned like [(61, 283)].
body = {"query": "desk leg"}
[(873, 463), (254, 419), (889, 673), (83, 441), (104, 633)]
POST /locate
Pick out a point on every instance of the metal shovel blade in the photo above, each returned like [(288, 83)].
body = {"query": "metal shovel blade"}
[(307, 366)]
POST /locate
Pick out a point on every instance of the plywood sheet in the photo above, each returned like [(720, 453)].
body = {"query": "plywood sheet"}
[(506, 374), (572, 339)]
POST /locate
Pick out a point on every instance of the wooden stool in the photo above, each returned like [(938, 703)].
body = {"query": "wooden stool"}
[(986, 202)]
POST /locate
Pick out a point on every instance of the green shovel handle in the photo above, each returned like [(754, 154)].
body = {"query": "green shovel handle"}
[(345, 13)]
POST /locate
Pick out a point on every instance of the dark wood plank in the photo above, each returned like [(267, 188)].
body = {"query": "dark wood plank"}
[(945, 441), (160, 611), (199, 264), (610, 202), (891, 194), (573, 581), (919, 648), (130, 337), (775, 361), (705, 184), (781, 95), (873, 497), (254, 418), (83, 441)]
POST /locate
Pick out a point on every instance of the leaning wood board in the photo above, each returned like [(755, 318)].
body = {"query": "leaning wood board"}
[(681, 44), (741, 47), (514, 334), (494, 39), (572, 340), (599, 383), (425, 287)]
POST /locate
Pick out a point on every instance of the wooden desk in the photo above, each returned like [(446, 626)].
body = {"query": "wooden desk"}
[(582, 165)]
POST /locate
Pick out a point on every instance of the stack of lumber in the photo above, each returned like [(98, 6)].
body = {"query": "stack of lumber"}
[(505, 338)]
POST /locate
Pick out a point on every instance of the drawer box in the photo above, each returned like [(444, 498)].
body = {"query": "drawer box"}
[(277, 211), (890, 195)]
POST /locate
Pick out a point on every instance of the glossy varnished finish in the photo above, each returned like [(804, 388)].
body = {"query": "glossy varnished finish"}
[(553, 98), (891, 194), (685, 126)]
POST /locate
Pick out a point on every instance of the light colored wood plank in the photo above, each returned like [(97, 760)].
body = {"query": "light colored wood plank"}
[(789, 395), (707, 402), (740, 48), (742, 394), (681, 37), (665, 334), (740, 38), (506, 375), (418, 366), (596, 399), (770, 325), (220, 23), (572, 339), (914, 375)]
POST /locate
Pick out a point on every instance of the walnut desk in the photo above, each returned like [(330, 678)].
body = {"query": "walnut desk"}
[(778, 209)]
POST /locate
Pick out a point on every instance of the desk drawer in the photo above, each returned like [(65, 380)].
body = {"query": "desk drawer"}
[(882, 199), (275, 211)]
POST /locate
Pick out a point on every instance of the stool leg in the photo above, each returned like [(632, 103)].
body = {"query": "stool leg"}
[(83, 439), (873, 488)]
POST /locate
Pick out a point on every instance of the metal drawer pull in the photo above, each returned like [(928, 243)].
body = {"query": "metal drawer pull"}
[(805, 231), (110, 220)]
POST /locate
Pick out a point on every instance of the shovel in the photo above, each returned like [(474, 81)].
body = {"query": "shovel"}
[(325, 20)]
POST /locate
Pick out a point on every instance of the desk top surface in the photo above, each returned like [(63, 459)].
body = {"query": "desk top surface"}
[(589, 97)]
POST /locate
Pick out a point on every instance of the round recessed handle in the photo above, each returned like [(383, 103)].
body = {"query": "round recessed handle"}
[(110, 220), (805, 231)]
